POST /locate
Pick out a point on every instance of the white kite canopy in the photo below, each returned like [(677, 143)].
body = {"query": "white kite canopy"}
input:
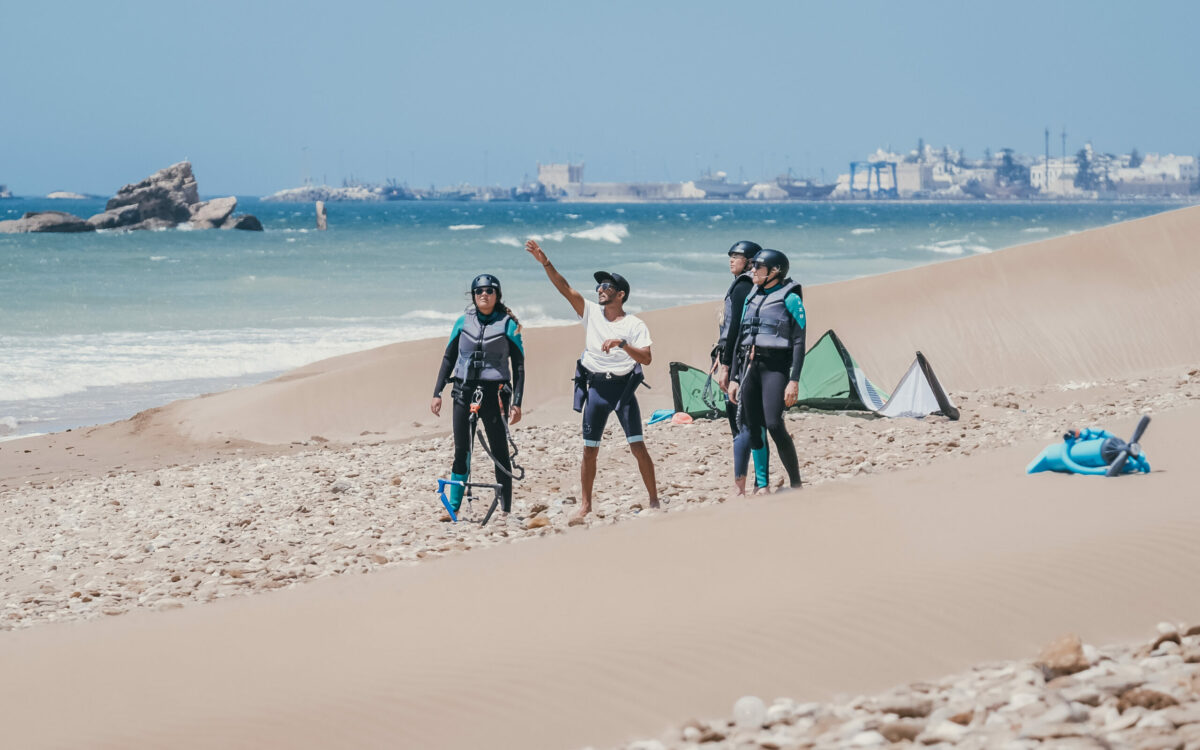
[(918, 394)]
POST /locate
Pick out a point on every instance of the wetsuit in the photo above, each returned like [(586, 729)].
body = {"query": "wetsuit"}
[(485, 352), (731, 319), (770, 354)]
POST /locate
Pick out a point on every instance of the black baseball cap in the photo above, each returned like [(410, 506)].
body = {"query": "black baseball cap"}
[(616, 279)]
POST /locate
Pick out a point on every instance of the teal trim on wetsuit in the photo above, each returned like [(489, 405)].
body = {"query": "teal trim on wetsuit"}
[(512, 333), (458, 326), (795, 306), (762, 460)]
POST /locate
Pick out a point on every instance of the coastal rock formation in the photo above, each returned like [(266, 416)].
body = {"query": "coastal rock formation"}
[(243, 221), (213, 213), (167, 194), (165, 199), (118, 217), (45, 221)]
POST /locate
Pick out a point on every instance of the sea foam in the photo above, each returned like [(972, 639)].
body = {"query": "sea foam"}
[(613, 233)]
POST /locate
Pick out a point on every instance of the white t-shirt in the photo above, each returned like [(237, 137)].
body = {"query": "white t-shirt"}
[(599, 329)]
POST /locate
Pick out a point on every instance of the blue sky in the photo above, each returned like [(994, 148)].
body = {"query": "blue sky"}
[(257, 94)]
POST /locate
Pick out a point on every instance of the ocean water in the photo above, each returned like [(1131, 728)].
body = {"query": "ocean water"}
[(95, 327)]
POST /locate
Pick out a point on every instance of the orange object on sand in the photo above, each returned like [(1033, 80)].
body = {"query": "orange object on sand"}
[(682, 417)]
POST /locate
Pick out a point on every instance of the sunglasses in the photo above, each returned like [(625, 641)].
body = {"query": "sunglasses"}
[(484, 290), (757, 264), (604, 285)]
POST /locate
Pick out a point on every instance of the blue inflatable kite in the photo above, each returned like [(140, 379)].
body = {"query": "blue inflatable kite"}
[(1095, 452)]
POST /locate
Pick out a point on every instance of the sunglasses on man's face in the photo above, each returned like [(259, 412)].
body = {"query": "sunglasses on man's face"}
[(484, 290), (757, 264), (604, 285)]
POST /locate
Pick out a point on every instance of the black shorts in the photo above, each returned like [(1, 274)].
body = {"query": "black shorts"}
[(603, 398)]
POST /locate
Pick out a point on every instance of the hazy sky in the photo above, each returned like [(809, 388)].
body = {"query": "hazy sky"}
[(257, 94)]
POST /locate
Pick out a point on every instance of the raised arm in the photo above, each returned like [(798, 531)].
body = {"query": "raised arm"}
[(573, 296)]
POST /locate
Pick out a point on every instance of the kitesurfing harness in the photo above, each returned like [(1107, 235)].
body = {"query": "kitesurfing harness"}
[(467, 484)]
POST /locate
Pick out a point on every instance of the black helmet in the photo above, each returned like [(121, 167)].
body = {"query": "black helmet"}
[(486, 279), (746, 248), (773, 259)]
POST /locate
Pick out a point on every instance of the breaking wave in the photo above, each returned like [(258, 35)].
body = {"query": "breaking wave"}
[(613, 233)]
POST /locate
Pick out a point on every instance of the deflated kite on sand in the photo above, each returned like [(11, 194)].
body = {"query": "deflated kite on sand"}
[(830, 379)]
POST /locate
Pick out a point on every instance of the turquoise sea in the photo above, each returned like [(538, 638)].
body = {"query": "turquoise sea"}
[(95, 327)]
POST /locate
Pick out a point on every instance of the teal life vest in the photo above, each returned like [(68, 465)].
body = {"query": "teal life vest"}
[(766, 321), (482, 349)]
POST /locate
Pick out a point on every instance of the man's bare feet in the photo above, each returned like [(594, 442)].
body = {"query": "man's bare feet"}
[(739, 483), (578, 519), (445, 517), (654, 503), (762, 490)]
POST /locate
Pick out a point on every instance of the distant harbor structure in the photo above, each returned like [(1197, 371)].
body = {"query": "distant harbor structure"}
[(4, 192), (924, 173)]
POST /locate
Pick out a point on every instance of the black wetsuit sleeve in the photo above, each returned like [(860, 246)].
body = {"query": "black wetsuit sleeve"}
[(517, 358), (448, 360), (737, 303), (797, 357)]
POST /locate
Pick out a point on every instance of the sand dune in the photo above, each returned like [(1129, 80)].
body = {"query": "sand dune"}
[(605, 634)]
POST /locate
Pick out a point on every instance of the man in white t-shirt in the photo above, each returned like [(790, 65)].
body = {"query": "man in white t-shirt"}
[(615, 347)]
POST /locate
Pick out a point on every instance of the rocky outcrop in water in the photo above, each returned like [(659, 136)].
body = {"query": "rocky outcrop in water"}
[(165, 199), (45, 221), (167, 194)]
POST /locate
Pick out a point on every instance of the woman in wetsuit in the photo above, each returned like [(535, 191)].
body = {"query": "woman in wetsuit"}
[(770, 354), (484, 354), (740, 256)]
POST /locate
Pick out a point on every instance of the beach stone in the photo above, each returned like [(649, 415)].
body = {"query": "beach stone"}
[(1087, 695), (538, 522), (1062, 656), (749, 711), (778, 713), (869, 738), (212, 213), (1065, 712), (340, 486), (1151, 700), (121, 216), (1182, 715), (901, 730), (45, 221), (906, 707), (944, 731)]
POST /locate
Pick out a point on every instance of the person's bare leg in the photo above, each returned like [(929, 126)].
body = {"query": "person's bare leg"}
[(587, 477), (646, 467)]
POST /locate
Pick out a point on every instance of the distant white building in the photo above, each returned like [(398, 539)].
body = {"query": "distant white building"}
[(1158, 175), (559, 176), (1055, 178)]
